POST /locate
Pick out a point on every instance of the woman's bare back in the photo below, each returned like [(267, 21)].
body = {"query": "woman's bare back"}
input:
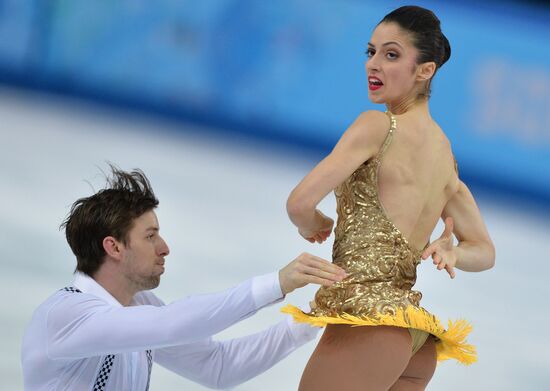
[(417, 177)]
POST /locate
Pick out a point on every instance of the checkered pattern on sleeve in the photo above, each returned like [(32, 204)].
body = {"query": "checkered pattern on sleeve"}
[(103, 375), (150, 365), (105, 370), (71, 289)]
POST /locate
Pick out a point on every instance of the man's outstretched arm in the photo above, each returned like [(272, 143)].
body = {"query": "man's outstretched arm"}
[(81, 325), (225, 364)]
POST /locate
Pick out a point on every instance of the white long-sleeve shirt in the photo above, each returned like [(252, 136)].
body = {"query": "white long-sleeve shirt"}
[(82, 338)]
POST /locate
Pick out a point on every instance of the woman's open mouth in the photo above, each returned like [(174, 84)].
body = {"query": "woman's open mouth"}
[(374, 83)]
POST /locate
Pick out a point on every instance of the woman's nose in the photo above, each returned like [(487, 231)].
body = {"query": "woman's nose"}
[(372, 64)]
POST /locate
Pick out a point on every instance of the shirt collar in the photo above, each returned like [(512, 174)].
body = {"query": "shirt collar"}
[(88, 285)]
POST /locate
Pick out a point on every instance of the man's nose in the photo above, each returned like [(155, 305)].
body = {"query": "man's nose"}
[(164, 250)]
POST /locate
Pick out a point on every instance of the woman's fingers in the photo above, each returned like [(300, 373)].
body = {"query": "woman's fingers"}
[(326, 234), (429, 251), (443, 239), (321, 236), (451, 271), (441, 264), (438, 256), (432, 250)]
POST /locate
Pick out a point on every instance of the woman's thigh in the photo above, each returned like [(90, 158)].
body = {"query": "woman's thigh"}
[(361, 358), (420, 370)]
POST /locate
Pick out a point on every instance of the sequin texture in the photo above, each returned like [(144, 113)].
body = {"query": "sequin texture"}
[(380, 263), (381, 267)]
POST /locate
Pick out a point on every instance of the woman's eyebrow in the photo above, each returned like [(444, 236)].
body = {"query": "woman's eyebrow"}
[(387, 43)]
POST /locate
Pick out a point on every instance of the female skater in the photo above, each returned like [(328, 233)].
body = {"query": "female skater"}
[(394, 176)]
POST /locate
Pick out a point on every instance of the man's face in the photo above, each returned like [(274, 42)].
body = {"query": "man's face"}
[(143, 260)]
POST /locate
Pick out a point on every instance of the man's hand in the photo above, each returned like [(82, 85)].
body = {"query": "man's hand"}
[(309, 269), (442, 250)]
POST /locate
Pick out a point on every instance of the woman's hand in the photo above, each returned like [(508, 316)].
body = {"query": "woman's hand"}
[(442, 250), (359, 143), (322, 230)]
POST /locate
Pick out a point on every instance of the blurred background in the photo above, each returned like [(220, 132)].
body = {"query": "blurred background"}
[(226, 105)]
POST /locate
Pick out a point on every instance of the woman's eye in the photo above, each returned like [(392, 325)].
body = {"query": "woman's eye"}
[(391, 55), (369, 53)]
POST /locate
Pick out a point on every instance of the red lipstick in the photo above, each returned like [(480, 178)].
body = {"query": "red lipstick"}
[(374, 83)]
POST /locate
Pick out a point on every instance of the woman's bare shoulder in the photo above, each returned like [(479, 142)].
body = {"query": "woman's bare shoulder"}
[(364, 136), (370, 127), (375, 119)]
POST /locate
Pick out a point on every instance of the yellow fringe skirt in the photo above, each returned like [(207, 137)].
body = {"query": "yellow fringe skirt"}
[(451, 343)]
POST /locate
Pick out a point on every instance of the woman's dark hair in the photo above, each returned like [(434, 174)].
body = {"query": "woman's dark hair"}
[(426, 35), (109, 212)]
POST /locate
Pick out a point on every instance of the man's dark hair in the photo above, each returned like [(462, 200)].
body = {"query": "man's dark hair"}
[(109, 212)]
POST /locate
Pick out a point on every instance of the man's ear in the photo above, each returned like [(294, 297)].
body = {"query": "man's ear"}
[(425, 71), (113, 247)]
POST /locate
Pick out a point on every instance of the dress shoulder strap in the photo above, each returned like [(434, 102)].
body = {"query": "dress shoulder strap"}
[(389, 136), (456, 164)]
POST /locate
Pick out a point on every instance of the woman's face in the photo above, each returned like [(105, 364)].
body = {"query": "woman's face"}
[(391, 65)]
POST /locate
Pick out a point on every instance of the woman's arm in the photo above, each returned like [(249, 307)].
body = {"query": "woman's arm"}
[(475, 251), (360, 142)]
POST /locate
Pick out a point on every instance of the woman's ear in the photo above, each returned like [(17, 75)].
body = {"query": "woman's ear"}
[(425, 71)]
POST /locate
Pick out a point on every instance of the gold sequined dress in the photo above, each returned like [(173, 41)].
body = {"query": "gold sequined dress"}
[(381, 267)]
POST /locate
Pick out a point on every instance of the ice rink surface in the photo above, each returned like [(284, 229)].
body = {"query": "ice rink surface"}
[(222, 213)]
